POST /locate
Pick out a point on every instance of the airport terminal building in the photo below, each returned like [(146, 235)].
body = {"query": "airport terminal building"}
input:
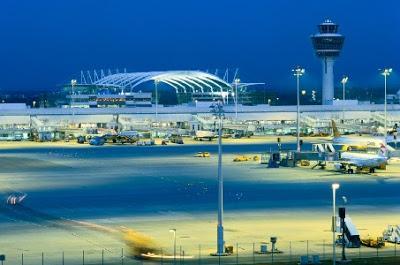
[(136, 101)]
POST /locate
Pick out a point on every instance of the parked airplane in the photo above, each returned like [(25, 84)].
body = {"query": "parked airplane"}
[(348, 161), (360, 161), (350, 143)]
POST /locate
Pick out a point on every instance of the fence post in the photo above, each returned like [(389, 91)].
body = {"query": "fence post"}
[(162, 256), (102, 257), (199, 254), (359, 252), (254, 257), (83, 257), (62, 258), (237, 254), (307, 249), (180, 255), (272, 255), (395, 251), (183, 257), (122, 256), (42, 258), (290, 251), (22, 258), (323, 249)]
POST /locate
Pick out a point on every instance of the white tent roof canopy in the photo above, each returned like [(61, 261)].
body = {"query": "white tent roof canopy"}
[(181, 81)]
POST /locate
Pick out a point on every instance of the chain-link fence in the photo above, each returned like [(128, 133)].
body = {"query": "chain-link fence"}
[(240, 253)]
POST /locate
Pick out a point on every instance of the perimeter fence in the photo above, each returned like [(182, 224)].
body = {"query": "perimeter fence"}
[(242, 253)]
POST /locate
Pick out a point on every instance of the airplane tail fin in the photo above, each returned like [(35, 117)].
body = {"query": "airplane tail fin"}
[(335, 130), (383, 151)]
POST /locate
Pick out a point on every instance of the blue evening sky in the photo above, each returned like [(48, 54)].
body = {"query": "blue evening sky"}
[(46, 43)]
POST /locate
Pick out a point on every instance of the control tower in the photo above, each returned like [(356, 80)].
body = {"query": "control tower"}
[(327, 45)]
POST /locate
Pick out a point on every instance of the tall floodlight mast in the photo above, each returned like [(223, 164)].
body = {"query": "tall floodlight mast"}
[(327, 45), (218, 112)]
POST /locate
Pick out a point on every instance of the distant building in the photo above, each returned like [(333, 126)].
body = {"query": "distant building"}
[(129, 99), (144, 89)]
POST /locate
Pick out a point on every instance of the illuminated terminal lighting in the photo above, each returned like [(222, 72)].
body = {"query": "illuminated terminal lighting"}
[(298, 71), (386, 71)]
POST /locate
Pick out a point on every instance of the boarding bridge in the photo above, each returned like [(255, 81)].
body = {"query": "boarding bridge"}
[(351, 234), (313, 122), (206, 122), (36, 123), (379, 117), (308, 121), (131, 124)]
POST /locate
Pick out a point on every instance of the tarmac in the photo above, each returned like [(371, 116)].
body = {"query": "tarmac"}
[(111, 198)]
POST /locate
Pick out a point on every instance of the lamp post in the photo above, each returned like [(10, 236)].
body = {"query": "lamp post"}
[(237, 81), (298, 71), (218, 112), (335, 186), (173, 230), (386, 72), (344, 81), (156, 95), (73, 84)]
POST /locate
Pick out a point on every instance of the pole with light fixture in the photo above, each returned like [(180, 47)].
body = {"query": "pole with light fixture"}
[(335, 186), (173, 230), (386, 72), (344, 80), (237, 81), (156, 97), (298, 72), (217, 110)]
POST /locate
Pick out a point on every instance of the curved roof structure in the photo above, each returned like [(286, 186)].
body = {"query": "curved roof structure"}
[(181, 81)]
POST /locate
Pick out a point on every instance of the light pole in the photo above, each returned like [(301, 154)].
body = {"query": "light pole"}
[(173, 230), (344, 81), (218, 111), (237, 81), (298, 71), (335, 186), (156, 99), (386, 72), (73, 84)]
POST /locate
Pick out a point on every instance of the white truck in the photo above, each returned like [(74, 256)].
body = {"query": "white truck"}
[(392, 234), (204, 135)]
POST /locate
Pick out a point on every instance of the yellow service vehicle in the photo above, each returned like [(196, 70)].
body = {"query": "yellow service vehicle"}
[(373, 243), (240, 159), (202, 154)]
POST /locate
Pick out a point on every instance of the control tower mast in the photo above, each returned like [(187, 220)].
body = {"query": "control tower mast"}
[(327, 45)]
